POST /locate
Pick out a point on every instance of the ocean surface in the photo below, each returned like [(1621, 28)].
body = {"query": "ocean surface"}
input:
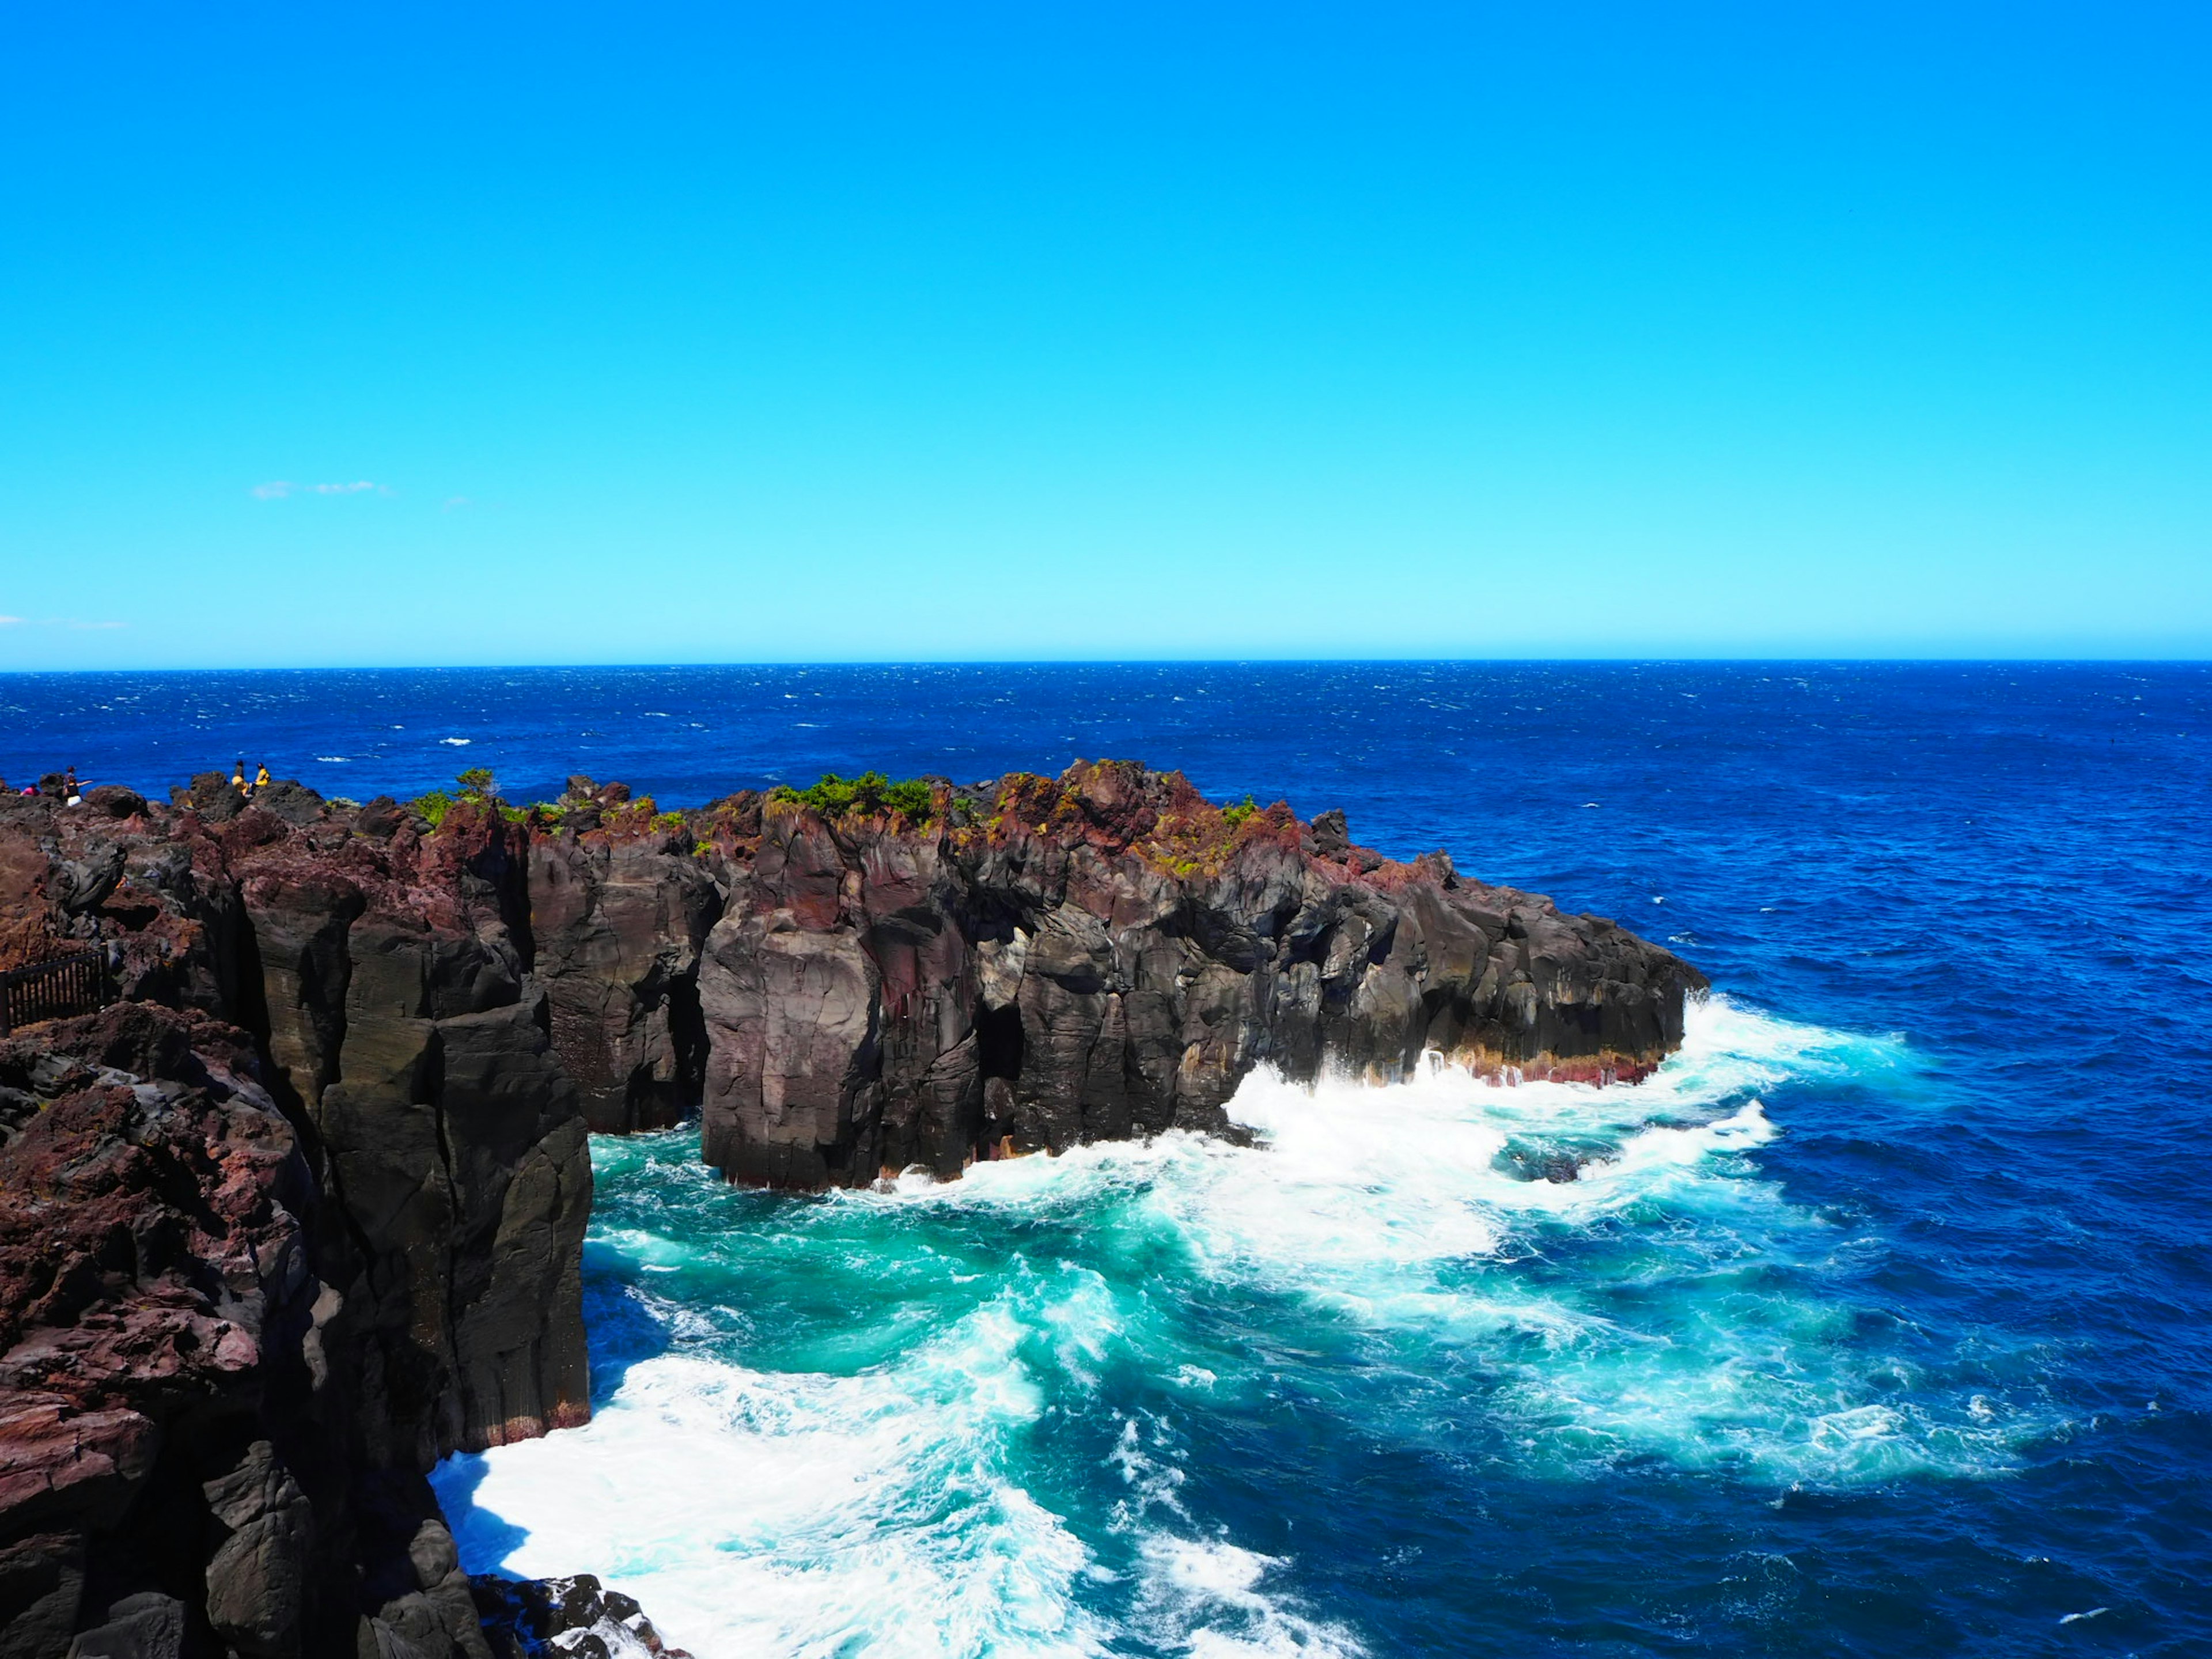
[(1879, 1327)]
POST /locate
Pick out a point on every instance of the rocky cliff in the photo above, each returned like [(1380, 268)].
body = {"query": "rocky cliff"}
[(302, 1212), (1037, 962)]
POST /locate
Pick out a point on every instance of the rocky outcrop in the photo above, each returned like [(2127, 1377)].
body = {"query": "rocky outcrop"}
[(303, 1211), (576, 1618), (619, 920), (381, 1046), (1039, 962), (183, 1393)]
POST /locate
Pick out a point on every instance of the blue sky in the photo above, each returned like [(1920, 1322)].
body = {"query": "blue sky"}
[(408, 334)]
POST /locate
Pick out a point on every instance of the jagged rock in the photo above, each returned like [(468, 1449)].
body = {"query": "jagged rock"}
[(41, 1590), (304, 1212), (82, 884), (1106, 955), (147, 1626), (213, 797), (531, 1618), (419, 1156), (381, 818), (290, 800), (153, 1266)]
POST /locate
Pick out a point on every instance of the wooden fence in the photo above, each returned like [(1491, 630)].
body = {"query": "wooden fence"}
[(54, 989)]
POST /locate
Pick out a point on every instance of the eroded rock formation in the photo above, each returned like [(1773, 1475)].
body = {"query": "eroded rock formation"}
[(303, 1211), (1046, 961)]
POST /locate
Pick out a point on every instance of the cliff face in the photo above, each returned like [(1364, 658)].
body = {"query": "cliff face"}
[(619, 921), (1049, 962), (383, 1050), (303, 1211), (183, 1395), (384, 973)]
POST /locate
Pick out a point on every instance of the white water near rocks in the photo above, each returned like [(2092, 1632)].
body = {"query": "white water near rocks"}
[(1000, 1464)]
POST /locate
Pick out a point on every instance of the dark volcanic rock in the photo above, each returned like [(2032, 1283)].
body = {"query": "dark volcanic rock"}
[(533, 1618), (113, 801), (255, 1277), (212, 796), (290, 800), (303, 1211), (1106, 955), (160, 1326), (618, 923)]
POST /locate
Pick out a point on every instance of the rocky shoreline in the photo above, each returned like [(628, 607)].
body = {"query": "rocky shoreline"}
[(301, 1212)]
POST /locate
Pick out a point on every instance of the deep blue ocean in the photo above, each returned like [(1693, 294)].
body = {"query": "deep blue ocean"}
[(1881, 1326)]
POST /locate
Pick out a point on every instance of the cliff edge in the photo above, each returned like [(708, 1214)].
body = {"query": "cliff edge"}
[(293, 1206)]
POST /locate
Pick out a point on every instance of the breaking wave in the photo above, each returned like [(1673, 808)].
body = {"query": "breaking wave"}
[(990, 1416)]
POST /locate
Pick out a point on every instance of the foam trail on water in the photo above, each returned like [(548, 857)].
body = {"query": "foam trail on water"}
[(758, 1512), (941, 1419)]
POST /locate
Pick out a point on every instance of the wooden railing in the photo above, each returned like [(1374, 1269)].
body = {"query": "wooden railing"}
[(54, 989)]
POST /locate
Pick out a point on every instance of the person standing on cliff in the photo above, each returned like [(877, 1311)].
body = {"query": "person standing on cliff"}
[(238, 776)]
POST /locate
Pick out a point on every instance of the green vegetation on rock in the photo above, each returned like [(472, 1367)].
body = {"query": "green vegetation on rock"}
[(871, 792)]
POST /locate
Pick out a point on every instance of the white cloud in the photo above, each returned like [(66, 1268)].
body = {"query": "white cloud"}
[(11, 621), (278, 488)]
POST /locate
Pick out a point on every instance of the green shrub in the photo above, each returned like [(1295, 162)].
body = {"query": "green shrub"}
[(703, 849), (668, 821), (871, 792), (910, 796), (1236, 816), (433, 807), (477, 781)]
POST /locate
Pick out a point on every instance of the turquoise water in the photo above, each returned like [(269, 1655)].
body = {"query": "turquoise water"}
[(1080, 1405)]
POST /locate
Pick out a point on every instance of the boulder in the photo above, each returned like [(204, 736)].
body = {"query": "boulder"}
[(290, 800), (112, 800)]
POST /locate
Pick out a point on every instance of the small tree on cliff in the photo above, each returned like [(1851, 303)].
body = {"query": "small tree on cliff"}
[(479, 784)]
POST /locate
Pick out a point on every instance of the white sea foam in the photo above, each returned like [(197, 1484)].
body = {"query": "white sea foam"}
[(1210, 1599), (798, 1512), (772, 1513), (1392, 1209)]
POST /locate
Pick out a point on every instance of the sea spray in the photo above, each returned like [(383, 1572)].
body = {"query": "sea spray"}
[(989, 1416)]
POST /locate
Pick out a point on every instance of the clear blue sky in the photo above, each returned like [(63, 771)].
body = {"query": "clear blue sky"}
[(668, 333)]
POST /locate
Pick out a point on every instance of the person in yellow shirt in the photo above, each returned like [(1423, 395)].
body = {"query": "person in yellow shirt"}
[(238, 778), (261, 778)]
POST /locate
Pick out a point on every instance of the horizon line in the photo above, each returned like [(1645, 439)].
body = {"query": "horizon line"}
[(1657, 660)]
